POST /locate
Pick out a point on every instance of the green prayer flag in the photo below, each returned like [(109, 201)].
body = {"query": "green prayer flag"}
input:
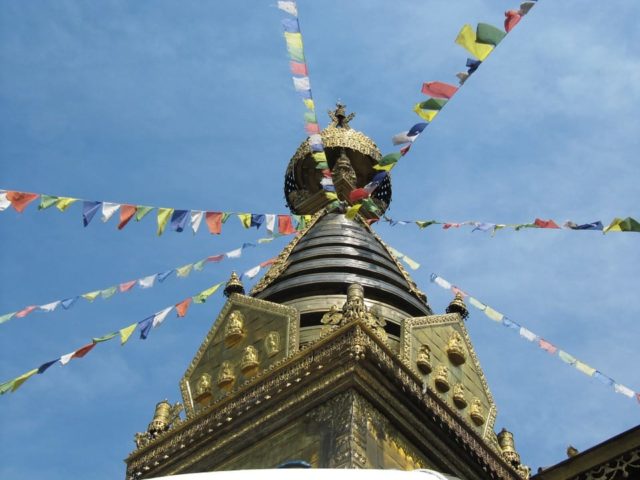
[(225, 217), (322, 166), (488, 34), (7, 317), (424, 224), (16, 382), (47, 201), (390, 158), (199, 265), (141, 211), (109, 292), (104, 338), (370, 205), (266, 240), (310, 117), (629, 225), (5, 387), (202, 296), (433, 104)]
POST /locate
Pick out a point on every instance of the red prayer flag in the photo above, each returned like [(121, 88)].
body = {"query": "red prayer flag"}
[(638, 397), (455, 290), (312, 128), (81, 352), (266, 263), (216, 258), (326, 173), (25, 311), (439, 89), (126, 286), (547, 346), (545, 223), (20, 200), (298, 68), (214, 222), (285, 227), (183, 306), (405, 149), (126, 213), (512, 17), (357, 195)]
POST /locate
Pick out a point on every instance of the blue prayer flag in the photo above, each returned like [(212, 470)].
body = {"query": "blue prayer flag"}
[(473, 65), (42, 368), (89, 210), (145, 326), (603, 378), (291, 25), (179, 220), (163, 276), (68, 303), (510, 324), (416, 129), (257, 220)]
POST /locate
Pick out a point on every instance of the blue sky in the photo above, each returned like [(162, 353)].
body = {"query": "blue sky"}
[(189, 105)]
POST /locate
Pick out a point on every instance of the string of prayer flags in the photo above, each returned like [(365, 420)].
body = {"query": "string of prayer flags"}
[(148, 281), (412, 264), (532, 337), (124, 334)]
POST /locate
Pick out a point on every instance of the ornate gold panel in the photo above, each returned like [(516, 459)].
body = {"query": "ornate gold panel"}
[(248, 337), (455, 365)]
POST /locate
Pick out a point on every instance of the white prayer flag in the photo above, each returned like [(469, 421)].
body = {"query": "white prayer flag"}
[(252, 272), (108, 209), (234, 253), (49, 307), (289, 7), (159, 317), (301, 84), (196, 219), (147, 282)]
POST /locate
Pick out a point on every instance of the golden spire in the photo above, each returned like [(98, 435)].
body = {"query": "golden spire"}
[(234, 285), (339, 118), (457, 305)]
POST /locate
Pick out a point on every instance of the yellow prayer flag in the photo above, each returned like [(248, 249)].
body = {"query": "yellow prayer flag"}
[(23, 378), (467, 39), (294, 40), (91, 296), (126, 332), (266, 240), (307, 219), (427, 115), (64, 202), (309, 104), (353, 211), (245, 219), (331, 195), (584, 368), (164, 214), (202, 296), (386, 168), (477, 304), (319, 157), (184, 271), (413, 265), (614, 226), (493, 315)]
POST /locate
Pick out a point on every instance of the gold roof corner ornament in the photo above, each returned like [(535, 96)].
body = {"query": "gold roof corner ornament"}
[(339, 118), (511, 455), (572, 451), (165, 417), (455, 349), (457, 305), (234, 285)]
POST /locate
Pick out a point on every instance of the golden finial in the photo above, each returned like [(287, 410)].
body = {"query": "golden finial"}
[(234, 285), (457, 305), (508, 447), (572, 451), (339, 118)]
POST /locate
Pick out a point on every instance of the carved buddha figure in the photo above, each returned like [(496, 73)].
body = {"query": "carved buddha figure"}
[(226, 376), (249, 362), (272, 343), (354, 308), (476, 412), (456, 350), (441, 378), (203, 387), (458, 396), (423, 360), (234, 329)]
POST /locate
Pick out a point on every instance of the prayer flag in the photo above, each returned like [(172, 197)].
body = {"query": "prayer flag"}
[(417, 129), (145, 327), (472, 65), (17, 382), (402, 138), (252, 272), (586, 226), (108, 209), (215, 258), (65, 202), (488, 34), (269, 262), (462, 77), (89, 210), (439, 90), (545, 223), (81, 352), (529, 335), (413, 265), (214, 222), (196, 219), (291, 25), (47, 201), (245, 219), (312, 128), (310, 117), (584, 368), (126, 213), (424, 224), (603, 378), (296, 53), (315, 139), (68, 303), (405, 149), (566, 358), (510, 324), (434, 103), (477, 304), (294, 41), (308, 102), (626, 391), (4, 201), (544, 345), (357, 195), (512, 17), (284, 225), (163, 217), (49, 307), (141, 211), (199, 265), (126, 286), (43, 368), (427, 115), (25, 311), (184, 271), (353, 211), (21, 200), (234, 253), (390, 159), (183, 306), (147, 282), (104, 338), (108, 292), (298, 68), (91, 296), (288, 6), (629, 225), (126, 332), (179, 220), (202, 296), (319, 157), (159, 317), (301, 83), (467, 39), (525, 7), (271, 222), (442, 282)]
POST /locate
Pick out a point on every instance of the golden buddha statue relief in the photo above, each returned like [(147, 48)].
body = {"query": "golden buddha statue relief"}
[(423, 360), (441, 378), (458, 396), (272, 343), (476, 412), (455, 349), (203, 389), (234, 328), (249, 363), (226, 377)]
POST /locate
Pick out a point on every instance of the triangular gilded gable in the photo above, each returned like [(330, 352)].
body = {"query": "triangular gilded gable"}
[(248, 337)]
